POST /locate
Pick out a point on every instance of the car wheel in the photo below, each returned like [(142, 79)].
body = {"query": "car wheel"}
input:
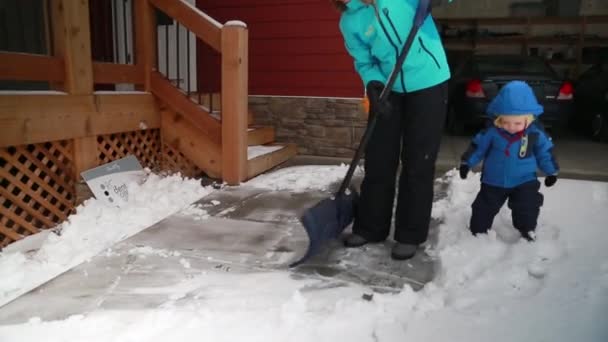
[(599, 127), (455, 127)]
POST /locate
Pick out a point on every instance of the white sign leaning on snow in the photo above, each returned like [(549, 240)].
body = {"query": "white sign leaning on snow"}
[(109, 182)]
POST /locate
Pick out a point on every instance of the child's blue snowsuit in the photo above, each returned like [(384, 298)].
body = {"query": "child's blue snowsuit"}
[(510, 162)]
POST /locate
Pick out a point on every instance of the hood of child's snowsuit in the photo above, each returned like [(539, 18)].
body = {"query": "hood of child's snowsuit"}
[(515, 98)]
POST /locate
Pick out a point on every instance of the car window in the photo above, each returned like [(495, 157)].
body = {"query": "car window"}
[(591, 71), (506, 65), (594, 71)]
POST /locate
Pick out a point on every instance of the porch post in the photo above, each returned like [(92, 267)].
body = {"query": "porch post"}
[(145, 39), (234, 102), (72, 38)]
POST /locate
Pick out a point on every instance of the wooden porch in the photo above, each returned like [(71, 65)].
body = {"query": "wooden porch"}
[(48, 137)]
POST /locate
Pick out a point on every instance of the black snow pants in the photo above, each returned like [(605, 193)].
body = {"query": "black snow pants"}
[(524, 201), (412, 135)]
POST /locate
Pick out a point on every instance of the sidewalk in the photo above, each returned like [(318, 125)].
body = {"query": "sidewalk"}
[(242, 230)]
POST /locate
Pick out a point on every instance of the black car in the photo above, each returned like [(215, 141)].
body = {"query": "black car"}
[(592, 101), (476, 81)]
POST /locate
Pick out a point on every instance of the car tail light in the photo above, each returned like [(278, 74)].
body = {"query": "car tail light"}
[(474, 89), (566, 91)]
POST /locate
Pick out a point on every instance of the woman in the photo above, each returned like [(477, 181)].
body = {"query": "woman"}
[(409, 125)]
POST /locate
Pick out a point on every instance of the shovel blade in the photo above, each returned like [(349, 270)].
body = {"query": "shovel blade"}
[(326, 221)]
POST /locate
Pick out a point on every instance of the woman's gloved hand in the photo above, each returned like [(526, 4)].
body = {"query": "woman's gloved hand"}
[(374, 89)]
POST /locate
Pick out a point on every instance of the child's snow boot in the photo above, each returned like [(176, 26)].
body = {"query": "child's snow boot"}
[(403, 251), (529, 235)]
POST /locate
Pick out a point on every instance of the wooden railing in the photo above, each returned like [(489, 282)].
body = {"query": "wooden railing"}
[(231, 41), (30, 67), (47, 140), (112, 73), (71, 70), (203, 26)]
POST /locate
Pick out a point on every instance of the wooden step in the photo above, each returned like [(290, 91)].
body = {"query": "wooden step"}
[(260, 135), (264, 162)]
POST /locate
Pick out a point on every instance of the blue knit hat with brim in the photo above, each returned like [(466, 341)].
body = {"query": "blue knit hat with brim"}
[(515, 98)]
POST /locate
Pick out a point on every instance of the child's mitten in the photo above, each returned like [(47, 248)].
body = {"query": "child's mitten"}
[(464, 169), (550, 180)]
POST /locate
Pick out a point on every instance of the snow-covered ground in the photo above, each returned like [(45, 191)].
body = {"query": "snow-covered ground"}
[(496, 287)]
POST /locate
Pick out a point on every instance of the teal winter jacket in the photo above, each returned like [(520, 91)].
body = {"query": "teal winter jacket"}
[(374, 34)]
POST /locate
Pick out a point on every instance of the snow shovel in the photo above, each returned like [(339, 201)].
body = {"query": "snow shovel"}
[(328, 218)]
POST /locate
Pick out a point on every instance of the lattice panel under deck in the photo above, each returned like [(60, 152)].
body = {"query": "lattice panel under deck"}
[(175, 161), (145, 145), (37, 185), (36, 188)]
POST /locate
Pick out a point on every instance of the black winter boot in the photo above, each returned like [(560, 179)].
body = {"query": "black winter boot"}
[(403, 251), (354, 240)]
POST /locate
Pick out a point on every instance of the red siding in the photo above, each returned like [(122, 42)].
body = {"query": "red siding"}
[(295, 48)]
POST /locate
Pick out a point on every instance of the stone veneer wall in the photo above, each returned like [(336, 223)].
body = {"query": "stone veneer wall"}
[(318, 126)]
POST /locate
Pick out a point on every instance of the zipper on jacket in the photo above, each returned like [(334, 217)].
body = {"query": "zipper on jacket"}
[(385, 10), (429, 52), (390, 40)]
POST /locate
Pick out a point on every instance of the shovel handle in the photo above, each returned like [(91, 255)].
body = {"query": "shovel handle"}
[(422, 12)]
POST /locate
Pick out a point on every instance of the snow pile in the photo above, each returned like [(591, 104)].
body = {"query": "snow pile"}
[(302, 178), (504, 288), (95, 228)]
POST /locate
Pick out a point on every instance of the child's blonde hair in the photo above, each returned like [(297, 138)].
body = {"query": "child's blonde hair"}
[(529, 119)]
